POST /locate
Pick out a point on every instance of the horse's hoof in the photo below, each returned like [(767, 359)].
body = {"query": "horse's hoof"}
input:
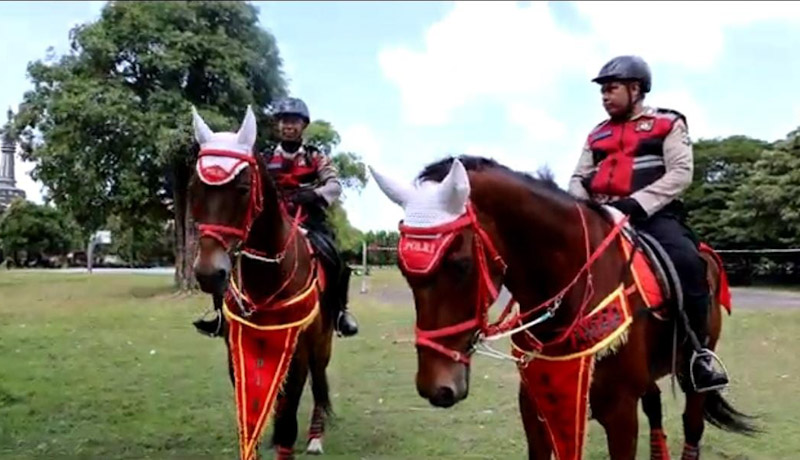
[(314, 446)]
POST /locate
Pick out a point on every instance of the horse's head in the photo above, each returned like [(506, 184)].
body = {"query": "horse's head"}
[(225, 197), (447, 261)]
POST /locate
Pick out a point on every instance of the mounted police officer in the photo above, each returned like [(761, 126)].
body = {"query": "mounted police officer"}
[(640, 161), (309, 180)]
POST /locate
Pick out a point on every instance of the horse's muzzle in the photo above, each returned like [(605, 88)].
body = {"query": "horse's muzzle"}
[(212, 282), (211, 270), (444, 386)]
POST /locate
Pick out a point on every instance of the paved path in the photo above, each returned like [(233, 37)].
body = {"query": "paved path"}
[(759, 298), (743, 297), (106, 270)]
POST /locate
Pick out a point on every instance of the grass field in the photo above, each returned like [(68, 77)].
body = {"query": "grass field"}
[(110, 367)]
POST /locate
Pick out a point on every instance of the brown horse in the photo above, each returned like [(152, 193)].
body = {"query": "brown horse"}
[(472, 225), (247, 237)]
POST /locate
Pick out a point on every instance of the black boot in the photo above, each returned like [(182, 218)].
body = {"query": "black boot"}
[(211, 327), (704, 374), (346, 324)]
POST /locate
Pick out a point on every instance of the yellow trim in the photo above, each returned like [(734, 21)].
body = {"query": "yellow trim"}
[(626, 247), (241, 397), (618, 292), (302, 322), (578, 402), (598, 346)]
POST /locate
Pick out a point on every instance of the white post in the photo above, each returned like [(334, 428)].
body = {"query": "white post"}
[(90, 253), (363, 267)]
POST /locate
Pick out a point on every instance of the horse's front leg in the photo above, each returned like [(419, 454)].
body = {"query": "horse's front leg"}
[(285, 434), (616, 412), (651, 405), (538, 442)]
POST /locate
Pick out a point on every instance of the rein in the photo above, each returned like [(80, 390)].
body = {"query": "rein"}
[(506, 324)]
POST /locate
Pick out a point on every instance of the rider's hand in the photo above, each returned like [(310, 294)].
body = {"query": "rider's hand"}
[(306, 197), (632, 208)]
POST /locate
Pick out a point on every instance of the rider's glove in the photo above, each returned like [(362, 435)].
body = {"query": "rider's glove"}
[(632, 208), (306, 197)]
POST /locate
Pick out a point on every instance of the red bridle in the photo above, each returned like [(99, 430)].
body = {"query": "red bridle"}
[(419, 252), (421, 249), (223, 233)]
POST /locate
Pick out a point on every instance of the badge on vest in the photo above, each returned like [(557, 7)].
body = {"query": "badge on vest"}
[(644, 125), (601, 135)]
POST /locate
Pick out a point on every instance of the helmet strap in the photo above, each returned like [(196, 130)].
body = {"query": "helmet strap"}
[(629, 109), (291, 146)]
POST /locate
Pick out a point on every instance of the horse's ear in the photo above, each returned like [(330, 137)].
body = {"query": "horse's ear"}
[(455, 187), (396, 191), (202, 133), (247, 133)]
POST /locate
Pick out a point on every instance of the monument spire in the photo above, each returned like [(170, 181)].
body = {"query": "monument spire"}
[(8, 184)]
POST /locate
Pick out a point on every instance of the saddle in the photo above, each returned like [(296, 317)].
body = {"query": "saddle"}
[(652, 269)]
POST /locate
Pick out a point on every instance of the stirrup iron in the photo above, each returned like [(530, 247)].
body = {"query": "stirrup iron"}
[(701, 353)]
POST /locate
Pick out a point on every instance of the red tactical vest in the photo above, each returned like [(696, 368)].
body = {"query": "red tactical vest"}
[(629, 155), (301, 171)]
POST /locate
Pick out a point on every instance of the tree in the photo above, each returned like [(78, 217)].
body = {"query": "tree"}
[(765, 208), (720, 167), (36, 230), (148, 243), (108, 125), (352, 174), (382, 239)]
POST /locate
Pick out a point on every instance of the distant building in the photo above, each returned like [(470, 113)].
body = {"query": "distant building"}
[(8, 185)]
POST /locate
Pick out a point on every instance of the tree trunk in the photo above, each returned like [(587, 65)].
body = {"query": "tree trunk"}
[(185, 234)]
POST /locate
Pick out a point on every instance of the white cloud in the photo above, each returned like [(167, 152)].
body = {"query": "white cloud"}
[(501, 51), (686, 34), (33, 189), (538, 125), (359, 138), (683, 102), (480, 49)]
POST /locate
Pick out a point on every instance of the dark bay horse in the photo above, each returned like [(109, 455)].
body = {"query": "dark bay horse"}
[(471, 225), (248, 239)]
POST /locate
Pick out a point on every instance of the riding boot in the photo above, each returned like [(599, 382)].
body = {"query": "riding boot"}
[(346, 324), (211, 327), (705, 376)]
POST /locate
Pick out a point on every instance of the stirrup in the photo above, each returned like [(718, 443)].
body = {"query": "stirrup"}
[(203, 319), (336, 325), (706, 352)]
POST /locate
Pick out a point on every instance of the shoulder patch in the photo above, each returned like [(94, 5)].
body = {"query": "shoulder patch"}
[(672, 114), (598, 132)]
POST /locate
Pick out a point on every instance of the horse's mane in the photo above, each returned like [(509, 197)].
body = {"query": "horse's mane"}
[(543, 184)]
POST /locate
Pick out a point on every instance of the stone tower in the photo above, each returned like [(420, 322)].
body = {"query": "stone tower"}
[(8, 185)]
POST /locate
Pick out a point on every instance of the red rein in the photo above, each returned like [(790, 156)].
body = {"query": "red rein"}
[(420, 251)]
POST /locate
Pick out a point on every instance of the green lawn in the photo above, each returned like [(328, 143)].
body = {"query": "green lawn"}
[(110, 367)]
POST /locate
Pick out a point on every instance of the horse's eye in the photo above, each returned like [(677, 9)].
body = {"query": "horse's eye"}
[(243, 189), (460, 267)]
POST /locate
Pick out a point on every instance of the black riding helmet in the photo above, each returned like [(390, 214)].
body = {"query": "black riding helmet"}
[(626, 68), (292, 106)]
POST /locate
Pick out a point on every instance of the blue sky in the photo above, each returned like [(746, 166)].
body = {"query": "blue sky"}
[(408, 82)]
